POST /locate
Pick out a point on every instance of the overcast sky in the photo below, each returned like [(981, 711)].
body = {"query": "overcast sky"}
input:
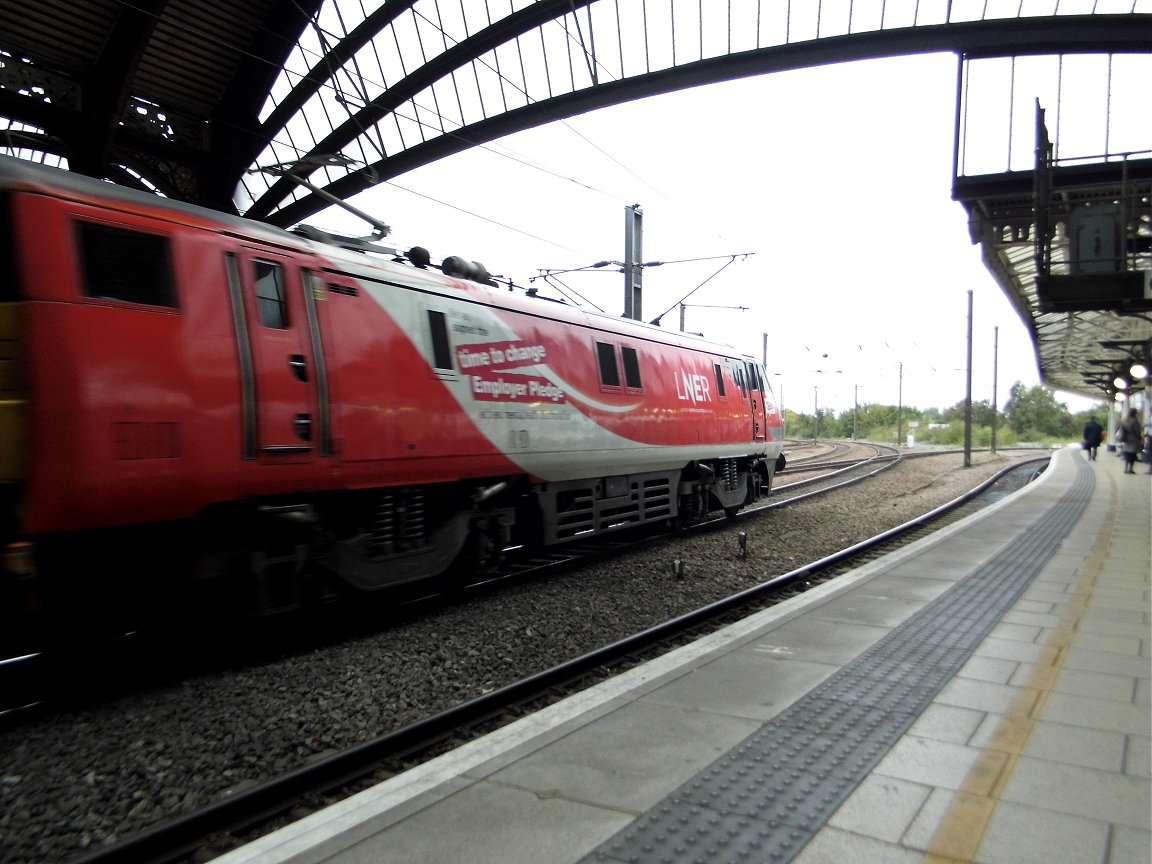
[(831, 186)]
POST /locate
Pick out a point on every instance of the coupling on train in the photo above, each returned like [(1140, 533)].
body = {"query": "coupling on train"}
[(191, 400)]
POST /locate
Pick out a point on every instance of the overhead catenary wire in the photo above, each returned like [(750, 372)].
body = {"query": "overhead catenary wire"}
[(362, 95), (601, 264), (325, 75), (569, 291), (549, 275), (589, 53), (725, 265)]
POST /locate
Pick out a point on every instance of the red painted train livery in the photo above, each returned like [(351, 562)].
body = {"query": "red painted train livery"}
[(199, 399)]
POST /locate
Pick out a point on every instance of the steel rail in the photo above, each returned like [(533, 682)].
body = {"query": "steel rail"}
[(22, 692)]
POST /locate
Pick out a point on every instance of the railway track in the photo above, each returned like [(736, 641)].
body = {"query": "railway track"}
[(34, 682), (23, 677), (248, 813)]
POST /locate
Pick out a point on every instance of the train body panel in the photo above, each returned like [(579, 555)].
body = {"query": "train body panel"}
[(118, 409), (159, 362), (392, 412), (532, 376), (135, 396)]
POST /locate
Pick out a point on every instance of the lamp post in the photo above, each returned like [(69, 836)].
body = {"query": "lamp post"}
[(815, 412), (1117, 400), (995, 376), (780, 406), (968, 392), (855, 408), (900, 405)]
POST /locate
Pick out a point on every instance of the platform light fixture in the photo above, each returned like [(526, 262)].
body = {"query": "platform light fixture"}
[(1138, 370)]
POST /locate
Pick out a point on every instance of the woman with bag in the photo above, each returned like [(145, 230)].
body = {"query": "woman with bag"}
[(1130, 440)]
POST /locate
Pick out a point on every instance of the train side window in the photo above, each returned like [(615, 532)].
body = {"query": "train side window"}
[(131, 266), (719, 378), (609, 371), (631, 367), (270, 295), (441, 348)]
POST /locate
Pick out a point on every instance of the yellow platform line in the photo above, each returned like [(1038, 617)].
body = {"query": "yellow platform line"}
[(962, 829)]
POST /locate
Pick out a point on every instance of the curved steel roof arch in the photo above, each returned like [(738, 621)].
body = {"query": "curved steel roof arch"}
[(155, 94), (185, 97), (188, 97), (459, 56), (437, 80)]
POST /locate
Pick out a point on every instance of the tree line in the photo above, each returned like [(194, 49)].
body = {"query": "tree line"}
[(1031, 415)]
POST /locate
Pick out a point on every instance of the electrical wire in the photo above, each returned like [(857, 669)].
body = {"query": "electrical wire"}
[(723, 267)]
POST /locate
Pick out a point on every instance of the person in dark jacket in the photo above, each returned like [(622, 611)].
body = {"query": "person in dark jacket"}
[(1131, 440), (1093, 434)]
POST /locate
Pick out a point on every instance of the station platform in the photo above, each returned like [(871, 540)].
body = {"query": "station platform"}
[(980, 696)]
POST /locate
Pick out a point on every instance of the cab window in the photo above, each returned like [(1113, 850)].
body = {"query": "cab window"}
[(131, 266)]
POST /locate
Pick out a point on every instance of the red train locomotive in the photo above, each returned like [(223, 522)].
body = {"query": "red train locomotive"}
[(189, 399)]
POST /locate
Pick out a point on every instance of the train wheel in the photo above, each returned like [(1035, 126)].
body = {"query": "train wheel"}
[(280, 578), (749, 495), (483, 550), (692, 509)]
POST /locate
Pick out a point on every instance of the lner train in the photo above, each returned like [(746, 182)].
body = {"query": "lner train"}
[(191, 400)]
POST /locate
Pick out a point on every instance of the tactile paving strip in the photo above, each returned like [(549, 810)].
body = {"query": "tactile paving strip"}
[(769, 796)]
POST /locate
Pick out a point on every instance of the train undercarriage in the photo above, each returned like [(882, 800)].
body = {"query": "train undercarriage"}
[(266, 558), (414, 533)]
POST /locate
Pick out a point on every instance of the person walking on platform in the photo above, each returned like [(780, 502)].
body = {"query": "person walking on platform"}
[(1130, 440), (1093, 434)]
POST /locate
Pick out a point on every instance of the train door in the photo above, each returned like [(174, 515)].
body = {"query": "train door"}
[(756, 400), (280, 375)]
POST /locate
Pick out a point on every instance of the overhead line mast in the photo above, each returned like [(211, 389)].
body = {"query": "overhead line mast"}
[(633, 268)]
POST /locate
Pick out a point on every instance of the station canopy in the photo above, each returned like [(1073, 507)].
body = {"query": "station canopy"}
[(171, 96)]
